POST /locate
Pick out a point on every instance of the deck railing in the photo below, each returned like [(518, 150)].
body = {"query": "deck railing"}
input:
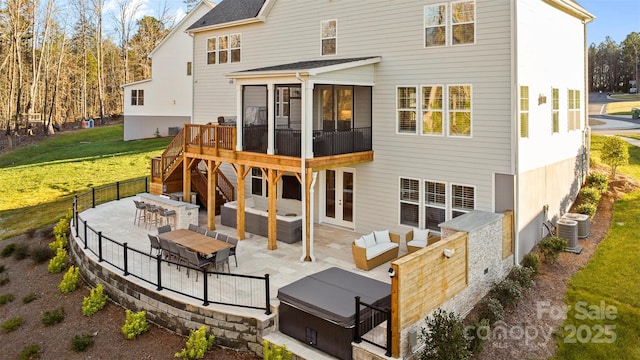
[(216, 137), (366, 328), (116, 191), (238, 290)]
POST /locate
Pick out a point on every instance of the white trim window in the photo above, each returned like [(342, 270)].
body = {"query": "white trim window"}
[(189, 68), (329, 36), (463, 23), (573, 117), (407, 108), (459, 110), (137, 97), (235, 48), (524, 111), (435, 204), (432, 110), (410, 201), (223, 49), (212, 54), (555, 110), (435, 25), (258, 183), (449, 24), (463, 199)]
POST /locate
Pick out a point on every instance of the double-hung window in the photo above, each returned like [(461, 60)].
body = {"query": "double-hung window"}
[(329, 36), (435, 204), (432, 110), (573, 122), (462, 199), (524, 111), (137, 97), (407, 109), (223, 49), (555, 110), (211, 50), (258, 186), (449, 24), (460, 110), (409, 201), (235, 48)]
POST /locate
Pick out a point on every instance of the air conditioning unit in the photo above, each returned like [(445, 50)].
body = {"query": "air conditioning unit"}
[(583, 223), (568, 229)]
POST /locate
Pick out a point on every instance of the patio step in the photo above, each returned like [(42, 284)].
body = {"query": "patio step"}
[(298, 348)]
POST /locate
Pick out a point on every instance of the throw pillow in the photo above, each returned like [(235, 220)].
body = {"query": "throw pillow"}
[(360, 242), (382, 236), (420, 234), (369, 240)]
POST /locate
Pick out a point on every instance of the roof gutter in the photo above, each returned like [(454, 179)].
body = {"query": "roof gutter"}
[(226, 25), (571, 8)]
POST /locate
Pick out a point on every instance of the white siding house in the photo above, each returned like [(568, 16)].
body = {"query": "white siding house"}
[(153, 106), (472, 105)]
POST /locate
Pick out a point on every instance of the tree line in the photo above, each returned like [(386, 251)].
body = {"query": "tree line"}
[(58, 64), (612, 66)]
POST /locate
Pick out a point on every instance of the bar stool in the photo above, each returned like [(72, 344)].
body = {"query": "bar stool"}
[(141, 212), (152, 218), (166, 215)]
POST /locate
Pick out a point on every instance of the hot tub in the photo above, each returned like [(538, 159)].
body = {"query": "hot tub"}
[(319, 309)]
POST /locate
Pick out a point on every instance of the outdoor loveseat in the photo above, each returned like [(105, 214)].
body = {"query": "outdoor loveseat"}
[(375, 249)]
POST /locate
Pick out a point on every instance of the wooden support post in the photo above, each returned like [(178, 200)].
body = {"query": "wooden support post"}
[(186, 179), (273, 231), (395, 312), (241, 174), (212, 184)]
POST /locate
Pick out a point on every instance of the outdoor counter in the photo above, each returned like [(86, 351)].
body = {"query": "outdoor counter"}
[(186, 213)]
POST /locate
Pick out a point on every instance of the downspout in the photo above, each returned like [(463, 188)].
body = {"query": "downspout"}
[(516, 143), (311, 196), (193, 76), (586, 140), (303, 170)]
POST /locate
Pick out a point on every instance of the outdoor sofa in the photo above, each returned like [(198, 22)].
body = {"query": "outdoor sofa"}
[(375, 249)]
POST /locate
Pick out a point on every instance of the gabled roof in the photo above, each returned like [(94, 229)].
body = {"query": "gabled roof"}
[(229, 11), (311, 67)]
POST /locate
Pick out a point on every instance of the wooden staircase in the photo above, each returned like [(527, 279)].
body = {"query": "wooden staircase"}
[(167, 175)]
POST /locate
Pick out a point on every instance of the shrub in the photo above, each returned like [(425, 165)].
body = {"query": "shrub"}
[(8, 250), (532, 261), (135, 324), (81, 342), (21, 252), (94, 302), (599, 181), (30, 352), (58, 262), (70, 280), (29, 298), (491, 309), (62, 228), (522, 275), (551, 248), (589, 195), (12, 324), (445, 337), (53, 317), (508, 292), (477, 333), (41, 254), (275, 352), (6, 298), (615, 152), (4, 279), (197, 344), (587, 209)]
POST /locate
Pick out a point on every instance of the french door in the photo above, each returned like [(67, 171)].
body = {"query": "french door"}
[(339, 197)]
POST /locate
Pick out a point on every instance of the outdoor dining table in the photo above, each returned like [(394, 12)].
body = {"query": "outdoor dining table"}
[(195, 241)]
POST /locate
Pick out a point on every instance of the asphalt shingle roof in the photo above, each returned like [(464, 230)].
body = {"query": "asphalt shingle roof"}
[(305, 65), (229, 11)]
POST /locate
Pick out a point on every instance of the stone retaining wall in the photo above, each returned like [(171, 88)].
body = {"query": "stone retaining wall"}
[(242, 333)]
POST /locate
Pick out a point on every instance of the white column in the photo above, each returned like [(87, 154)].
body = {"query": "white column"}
[(239, 120), (271, 119)]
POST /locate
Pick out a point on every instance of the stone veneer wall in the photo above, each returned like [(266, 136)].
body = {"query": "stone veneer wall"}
[(241, 333)]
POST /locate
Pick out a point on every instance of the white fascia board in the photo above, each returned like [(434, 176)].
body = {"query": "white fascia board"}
[(135, 83)]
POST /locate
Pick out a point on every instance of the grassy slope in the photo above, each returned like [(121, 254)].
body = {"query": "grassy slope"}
[(613, 277), (38, 181)]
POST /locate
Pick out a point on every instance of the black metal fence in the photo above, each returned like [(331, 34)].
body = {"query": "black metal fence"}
[(207, 286), (366, 329)]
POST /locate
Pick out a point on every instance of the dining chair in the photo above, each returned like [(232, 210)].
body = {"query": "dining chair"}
[(232, 252), (164, 229), (193, 227), (183, 256), (165, 247), (222, 237), (195, 260), (175, 253), (222, 257), (201, 230), (154, 242), (211, 233)]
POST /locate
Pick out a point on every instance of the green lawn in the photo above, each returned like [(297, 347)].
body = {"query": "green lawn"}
[(38, 182), (610, 281)]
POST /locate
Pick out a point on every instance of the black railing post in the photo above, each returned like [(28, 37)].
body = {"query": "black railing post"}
[(75, 213), (93, 197), (159, 262), (99, 246), (117, 190), (356, 328), (146, 184), (126, 257), (389, 333), (268, 302), (85, 234), (205, 285)]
